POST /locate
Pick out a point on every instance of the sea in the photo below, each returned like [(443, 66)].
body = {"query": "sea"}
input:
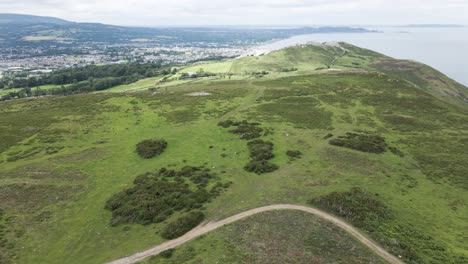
[(443, 48)]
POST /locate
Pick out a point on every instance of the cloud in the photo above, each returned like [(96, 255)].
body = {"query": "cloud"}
[(203, 12)]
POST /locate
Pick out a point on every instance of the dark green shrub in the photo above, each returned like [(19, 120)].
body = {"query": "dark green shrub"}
[(226, 123), (182, 225), (150, 148), (328, 136), (198, 175), (396, 151), (243, 128), (167, 253), (294, 154), (260, 150), (288, 69), (362, 142), (260, 166)]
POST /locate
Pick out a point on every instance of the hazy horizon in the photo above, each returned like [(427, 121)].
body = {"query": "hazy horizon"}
[(248, 13)]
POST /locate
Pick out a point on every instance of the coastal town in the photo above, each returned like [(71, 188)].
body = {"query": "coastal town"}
[(35, 61)]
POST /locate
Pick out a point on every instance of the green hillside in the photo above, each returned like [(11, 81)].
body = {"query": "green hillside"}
[(382, 147)]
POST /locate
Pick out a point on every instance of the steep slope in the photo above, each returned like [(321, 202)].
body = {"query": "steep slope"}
[(319, 58), (426, 78)]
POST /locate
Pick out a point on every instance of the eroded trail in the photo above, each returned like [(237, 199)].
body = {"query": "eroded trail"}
[(210, 226)]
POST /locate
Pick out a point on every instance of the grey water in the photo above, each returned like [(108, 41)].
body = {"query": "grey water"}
[(445, 49)]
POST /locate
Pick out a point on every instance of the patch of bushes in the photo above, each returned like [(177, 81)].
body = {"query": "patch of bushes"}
[(182, 225), (295, 154), (367, 212), (260, 166), (199, 74), (198, 175), (167, 253), (53, 149), (156, 196), (396, 151), (226, 123), (245, 129), (260, 152), (360, 207), (260, 74), (361, 142), (7, 245), (289, 69), (150, 148), (24, 154)]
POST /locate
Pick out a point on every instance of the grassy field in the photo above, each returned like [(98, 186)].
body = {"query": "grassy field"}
[(62, 158), (214, 67), (144, 84), (42, 87)]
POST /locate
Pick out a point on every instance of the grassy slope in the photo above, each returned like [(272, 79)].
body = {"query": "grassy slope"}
[(68, 155)]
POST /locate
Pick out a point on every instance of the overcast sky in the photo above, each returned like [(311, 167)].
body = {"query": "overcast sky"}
[(246, 12)]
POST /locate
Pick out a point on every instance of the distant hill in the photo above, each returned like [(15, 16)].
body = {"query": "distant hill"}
[(20, 30), (6, 18), (434, 26)]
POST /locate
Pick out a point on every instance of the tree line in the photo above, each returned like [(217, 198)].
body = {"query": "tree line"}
[(82, 79)]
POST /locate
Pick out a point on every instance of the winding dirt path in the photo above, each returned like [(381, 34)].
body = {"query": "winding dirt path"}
[(210, 226)]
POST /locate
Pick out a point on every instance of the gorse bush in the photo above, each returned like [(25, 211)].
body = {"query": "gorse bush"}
[(260, 153), (260, 166), (226, 123), (150, 148), (156, 196), (260, 150), (182, 225)]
